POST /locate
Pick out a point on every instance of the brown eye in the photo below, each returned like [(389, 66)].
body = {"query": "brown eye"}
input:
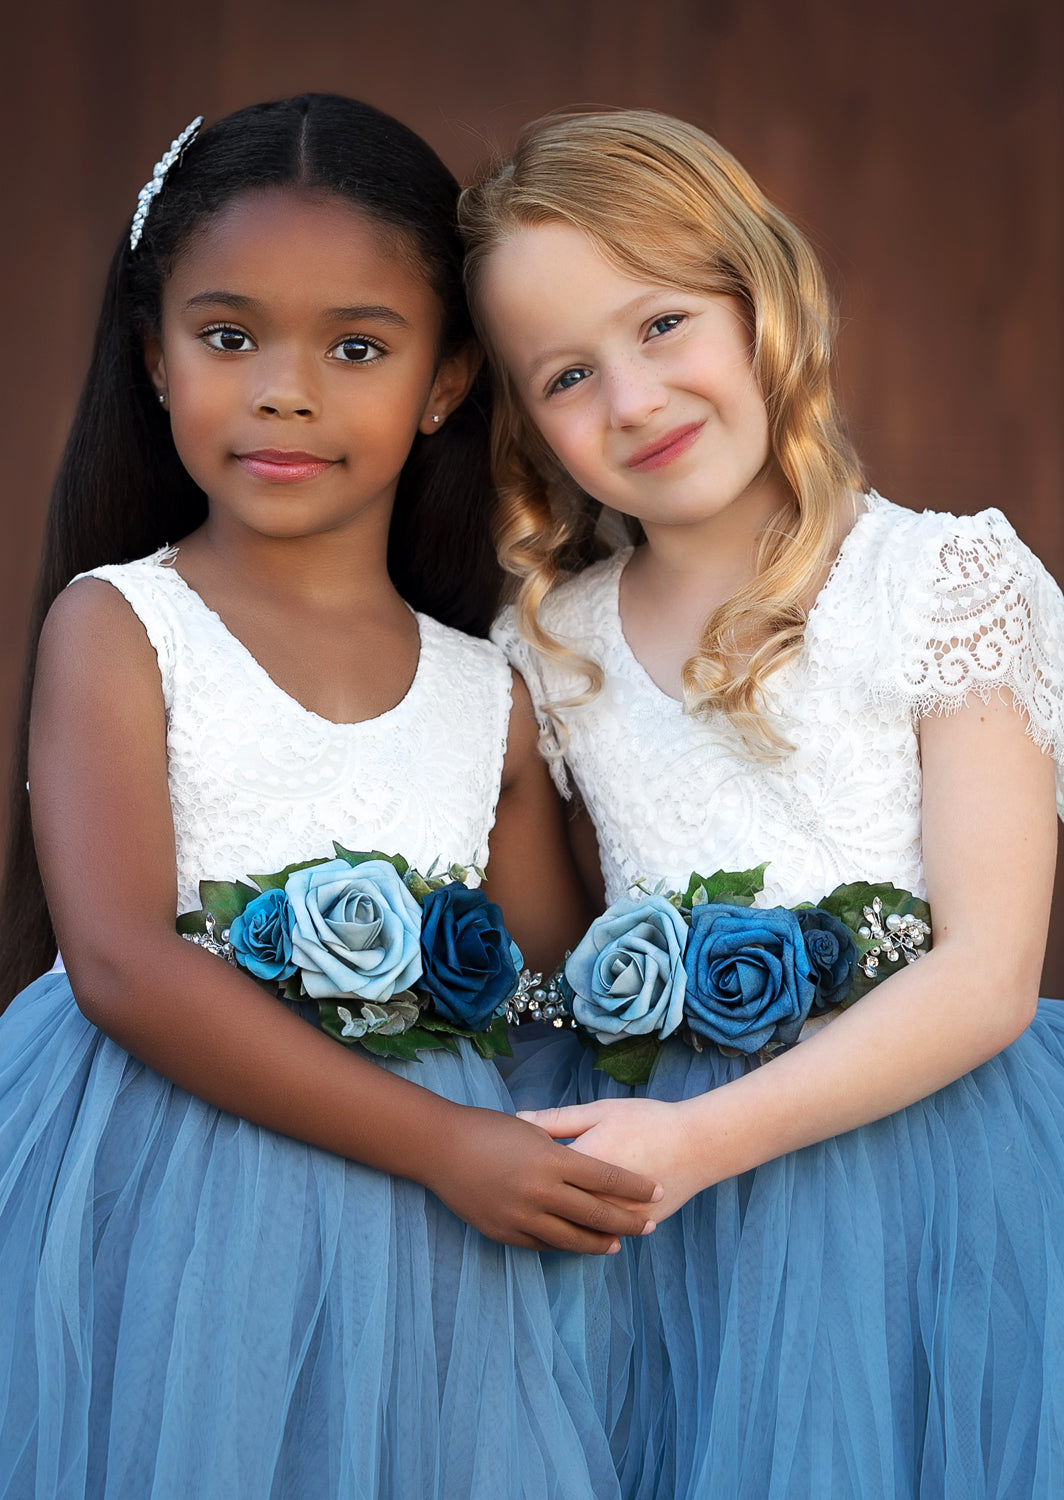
[(227, 340), (357, 351)]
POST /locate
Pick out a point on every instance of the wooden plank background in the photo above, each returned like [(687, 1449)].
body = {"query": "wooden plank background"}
[(919, 143)]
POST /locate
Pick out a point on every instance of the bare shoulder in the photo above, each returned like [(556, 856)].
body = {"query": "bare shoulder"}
[(92, 618), (93, 646), (522, 743)]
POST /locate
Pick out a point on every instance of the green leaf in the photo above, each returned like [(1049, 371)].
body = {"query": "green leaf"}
[(276, 881), (417, 885), (404, 1045), (357, 857), (432, 1022), (737, 887), (847, 902), (631, 1060), (495, 1042), (224, 899), (408, 1043)]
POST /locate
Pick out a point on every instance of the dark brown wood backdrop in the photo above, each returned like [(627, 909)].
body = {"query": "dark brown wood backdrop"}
[(920, 143)]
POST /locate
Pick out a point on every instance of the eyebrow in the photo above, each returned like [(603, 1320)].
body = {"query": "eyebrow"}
[(358, 312)]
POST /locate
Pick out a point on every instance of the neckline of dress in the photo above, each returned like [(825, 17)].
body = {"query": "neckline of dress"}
[(873, 504), (164, 560)]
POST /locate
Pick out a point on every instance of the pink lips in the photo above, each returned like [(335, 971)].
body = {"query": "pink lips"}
[(283, 466), (663, 450)]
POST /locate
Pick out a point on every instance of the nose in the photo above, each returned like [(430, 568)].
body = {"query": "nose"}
[(634, 392), (286, 387)]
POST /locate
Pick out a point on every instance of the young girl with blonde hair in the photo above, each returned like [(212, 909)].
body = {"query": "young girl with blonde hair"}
[(795, 713)]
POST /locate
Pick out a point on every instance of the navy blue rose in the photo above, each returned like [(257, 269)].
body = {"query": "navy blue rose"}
[(262, 937), (748, 975), (832, 956), (469, 960)]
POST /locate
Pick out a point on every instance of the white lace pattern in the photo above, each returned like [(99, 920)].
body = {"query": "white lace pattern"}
[(919, 612), (258, 782)]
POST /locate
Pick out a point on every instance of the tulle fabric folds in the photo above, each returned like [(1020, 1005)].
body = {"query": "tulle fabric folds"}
[(881, 1314), (192, 1305)]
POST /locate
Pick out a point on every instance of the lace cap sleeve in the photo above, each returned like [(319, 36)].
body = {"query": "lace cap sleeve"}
[(522, 656), (965, 607)]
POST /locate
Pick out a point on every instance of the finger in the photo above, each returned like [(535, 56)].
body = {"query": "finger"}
[(565, 1121), (634, 1205), (607, 1180), (589, 1211), (523, 1241), (563, 1234)]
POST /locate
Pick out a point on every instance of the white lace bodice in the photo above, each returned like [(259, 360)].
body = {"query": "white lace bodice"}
[(919, 611), (258, 782)]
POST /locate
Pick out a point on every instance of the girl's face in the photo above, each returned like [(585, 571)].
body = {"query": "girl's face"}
[(298, 357), (645, 394)]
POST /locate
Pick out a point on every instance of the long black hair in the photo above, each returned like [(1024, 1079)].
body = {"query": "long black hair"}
[(122, 492)]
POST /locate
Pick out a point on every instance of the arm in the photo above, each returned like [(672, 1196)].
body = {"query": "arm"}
[(989, 839), (105, 841), (531, 873), (583, 841)]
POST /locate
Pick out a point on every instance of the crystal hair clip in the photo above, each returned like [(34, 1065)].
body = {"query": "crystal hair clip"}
[(158, 176)]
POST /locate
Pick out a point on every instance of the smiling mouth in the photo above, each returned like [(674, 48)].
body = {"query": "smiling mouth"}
[(281, 466), (662, 451)]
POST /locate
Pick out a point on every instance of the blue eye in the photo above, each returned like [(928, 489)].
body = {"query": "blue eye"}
[(226, 339), (357, 351), (568, 378), (666, 324)]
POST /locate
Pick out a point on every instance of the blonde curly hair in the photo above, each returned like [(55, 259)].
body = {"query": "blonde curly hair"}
[(665, 203)]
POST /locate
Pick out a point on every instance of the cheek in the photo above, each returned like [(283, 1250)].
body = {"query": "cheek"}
[(737, 396), (756, 424), (196, 410), (569, 436)]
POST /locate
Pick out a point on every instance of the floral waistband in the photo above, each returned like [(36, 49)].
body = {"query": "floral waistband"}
[(396, 961), (708, 965)]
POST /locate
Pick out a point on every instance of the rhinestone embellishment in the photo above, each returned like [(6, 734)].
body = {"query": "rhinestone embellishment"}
[(894, 937), (213, 940), (539, 999), (154, 186)]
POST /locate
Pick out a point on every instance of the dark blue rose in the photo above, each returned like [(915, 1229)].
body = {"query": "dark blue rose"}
[(262, 937), (832, 956), (467, 955), (748, 976)]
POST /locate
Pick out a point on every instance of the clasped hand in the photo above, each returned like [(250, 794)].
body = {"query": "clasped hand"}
[(646, 1136), (512, 1181)]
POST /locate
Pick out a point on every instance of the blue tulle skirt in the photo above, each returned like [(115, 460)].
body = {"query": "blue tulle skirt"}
[(193, 1306), (880, 1315)]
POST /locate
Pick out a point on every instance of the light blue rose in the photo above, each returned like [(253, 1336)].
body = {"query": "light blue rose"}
[(627, 972), (356, 930)]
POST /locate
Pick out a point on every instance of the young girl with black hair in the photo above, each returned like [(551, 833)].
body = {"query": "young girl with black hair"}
[(232, 1251), (795, 713)]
